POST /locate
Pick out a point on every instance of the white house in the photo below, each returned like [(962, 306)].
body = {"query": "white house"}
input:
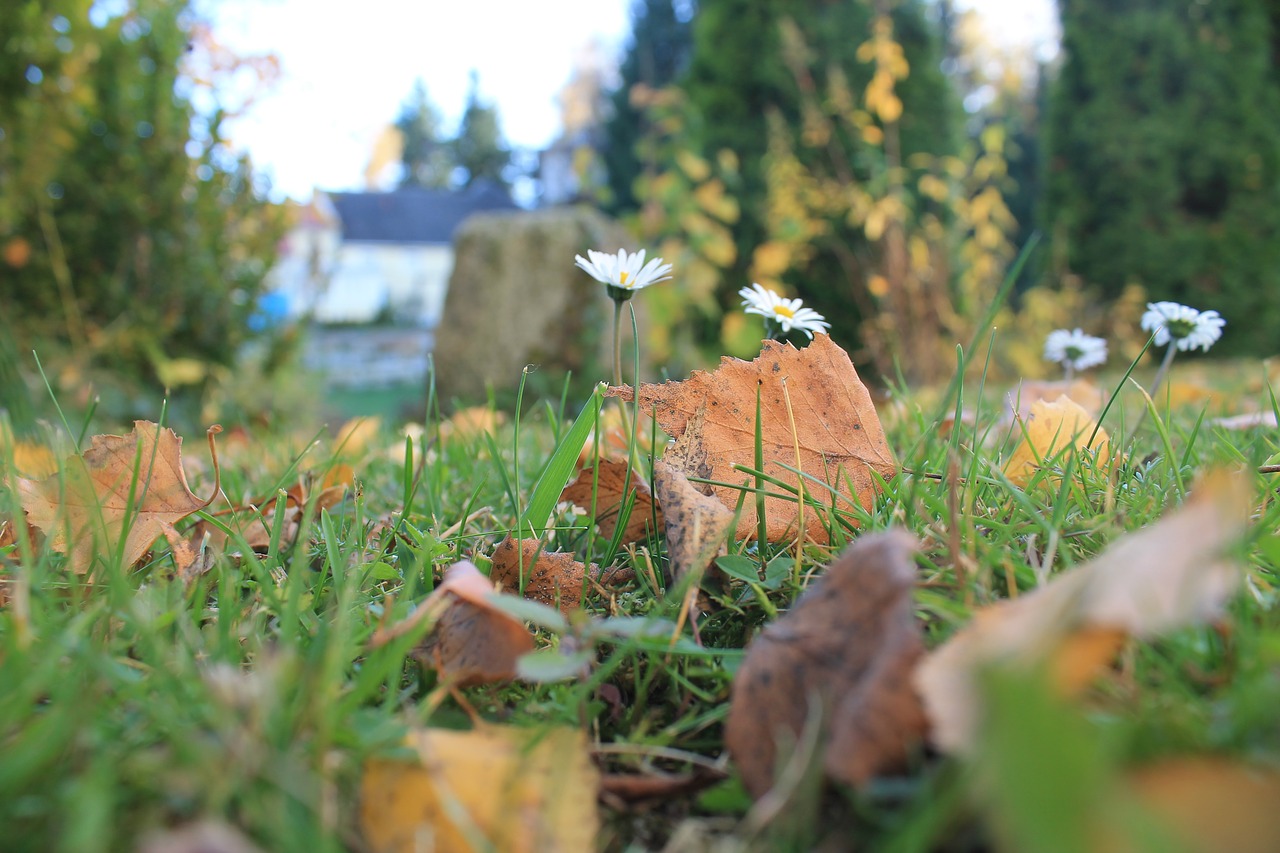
[(353, 256)]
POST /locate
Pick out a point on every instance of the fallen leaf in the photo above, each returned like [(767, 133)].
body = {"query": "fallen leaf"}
[(472, 642), (695, 523), (1211, 804), (550, 577), (1149, 582), (609, 488), (850, 643), (1051, 428), (137, 477), (712, 417), (471, 422), (1028, 392), (355, 436), (191, 555), (493, 788)]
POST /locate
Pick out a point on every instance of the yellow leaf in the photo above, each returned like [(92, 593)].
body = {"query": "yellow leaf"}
[(176, 372), (354, 436), (693, 166), (1212, 804), (1050, 430), (495, 787), (770, 259), (34, 460)]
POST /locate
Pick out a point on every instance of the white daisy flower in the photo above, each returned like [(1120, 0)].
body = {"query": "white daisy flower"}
[(1185, 327), (1074, 349), (625, 272), (787, 313)]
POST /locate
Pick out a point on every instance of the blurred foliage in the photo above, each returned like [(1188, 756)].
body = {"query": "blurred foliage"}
[(1162, 155), (688, 212), (480, 149), (658, 52), (431, 159), (764, 110), (425, 153), (134, 243)]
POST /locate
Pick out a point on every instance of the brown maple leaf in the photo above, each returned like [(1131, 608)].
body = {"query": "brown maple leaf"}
[(118, 496), (850, 644), (712, 417)]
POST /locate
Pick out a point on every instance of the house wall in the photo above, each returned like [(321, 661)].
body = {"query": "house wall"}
[(410, 279)]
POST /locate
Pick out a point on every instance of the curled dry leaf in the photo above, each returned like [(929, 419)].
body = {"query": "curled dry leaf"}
[(493, 788), (850, 643), (136, 478), (472, 641), (550, 577), (696, 524), (1048, 432), (712, 417), (1163, 577), (611, 492)]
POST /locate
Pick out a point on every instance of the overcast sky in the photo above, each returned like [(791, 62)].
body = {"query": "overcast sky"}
[(347, 68)]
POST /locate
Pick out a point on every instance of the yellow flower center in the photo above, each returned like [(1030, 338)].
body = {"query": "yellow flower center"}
[(784, 311), (622, 279)]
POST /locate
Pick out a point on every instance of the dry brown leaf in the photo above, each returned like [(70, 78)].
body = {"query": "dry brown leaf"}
[(695, 523), (493, 788), (1212, 804), (1051, 428), (712, 417), (191, 555), (608, 487), (472, 641), (138, 477), (850, 642), (550, 577), (1149, 582)]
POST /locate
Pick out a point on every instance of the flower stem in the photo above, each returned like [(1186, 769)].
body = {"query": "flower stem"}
[(617, 342), (1164, 369)]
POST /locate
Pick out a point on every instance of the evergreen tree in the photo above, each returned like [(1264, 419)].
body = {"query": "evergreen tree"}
[(1163, 164), (133, 237), (661, 41), (479, 148), (427, 155)]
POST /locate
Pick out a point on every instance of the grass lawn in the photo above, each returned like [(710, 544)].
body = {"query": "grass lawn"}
[(255, 695)]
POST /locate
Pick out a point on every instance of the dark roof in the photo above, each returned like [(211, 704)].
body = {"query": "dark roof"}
[(414, 215)]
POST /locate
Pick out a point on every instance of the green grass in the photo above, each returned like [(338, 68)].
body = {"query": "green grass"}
[(254, 695)]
